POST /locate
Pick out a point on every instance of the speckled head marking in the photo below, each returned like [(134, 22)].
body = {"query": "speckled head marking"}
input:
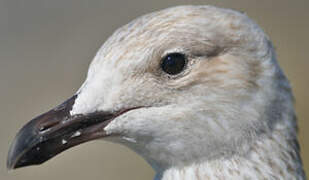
[(202, 33), (227, 115), (231, 94)]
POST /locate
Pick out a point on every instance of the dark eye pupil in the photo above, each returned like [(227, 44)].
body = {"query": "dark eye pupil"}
[(173, 63)]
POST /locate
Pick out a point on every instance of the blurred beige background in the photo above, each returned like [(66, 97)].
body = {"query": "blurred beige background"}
[(45, 49)]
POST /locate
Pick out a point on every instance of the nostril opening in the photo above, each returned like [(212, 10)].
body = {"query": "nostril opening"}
[(45, 127)]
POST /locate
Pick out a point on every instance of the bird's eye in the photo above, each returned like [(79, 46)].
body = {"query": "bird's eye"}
[(173, 63)]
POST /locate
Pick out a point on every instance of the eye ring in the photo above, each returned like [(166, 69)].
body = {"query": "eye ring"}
[(173, 63)]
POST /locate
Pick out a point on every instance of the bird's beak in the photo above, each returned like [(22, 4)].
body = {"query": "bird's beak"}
[(55, 131)]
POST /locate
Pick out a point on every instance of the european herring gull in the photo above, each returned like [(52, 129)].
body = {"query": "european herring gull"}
[(195, 90)]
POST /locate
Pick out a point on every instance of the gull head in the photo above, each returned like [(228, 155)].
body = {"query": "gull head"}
[(178, 86)]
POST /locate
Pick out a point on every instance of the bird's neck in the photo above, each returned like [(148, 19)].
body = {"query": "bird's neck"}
[(272, 157)]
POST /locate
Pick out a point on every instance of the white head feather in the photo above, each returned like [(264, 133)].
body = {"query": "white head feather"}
[(231, 100)]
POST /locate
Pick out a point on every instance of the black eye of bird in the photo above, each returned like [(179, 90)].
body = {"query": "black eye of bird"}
[(173, 63)]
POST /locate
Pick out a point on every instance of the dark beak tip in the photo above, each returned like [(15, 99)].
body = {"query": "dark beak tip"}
[(20, 144), (12, 157), (18, 157), (11, 160), (21, 151), (46, 135), (9, 165)]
